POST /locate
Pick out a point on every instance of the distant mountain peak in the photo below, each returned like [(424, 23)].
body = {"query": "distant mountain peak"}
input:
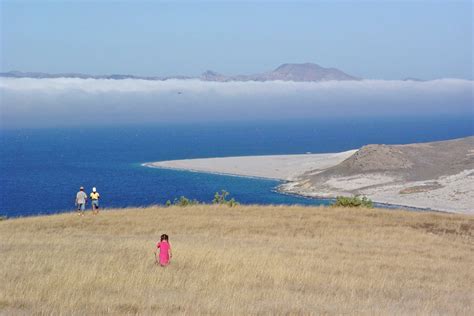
[(300, 66), (210, 75), (308, 72), (286, 72), (412, 79)]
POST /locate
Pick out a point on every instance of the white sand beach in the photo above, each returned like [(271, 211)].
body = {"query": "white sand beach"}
[(279, 167)]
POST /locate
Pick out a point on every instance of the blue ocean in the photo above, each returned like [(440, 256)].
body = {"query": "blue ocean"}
[(42, 169)]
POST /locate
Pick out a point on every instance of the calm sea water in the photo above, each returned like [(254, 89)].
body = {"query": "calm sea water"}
[(41, 170)]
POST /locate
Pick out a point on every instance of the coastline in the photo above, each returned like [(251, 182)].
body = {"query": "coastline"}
[(151, 165), (273, 167), (292, 170), (455, 195), (279, 189), (377, 203)]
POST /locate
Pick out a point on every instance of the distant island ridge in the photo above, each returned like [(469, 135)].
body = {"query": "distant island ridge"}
[(304, 72)]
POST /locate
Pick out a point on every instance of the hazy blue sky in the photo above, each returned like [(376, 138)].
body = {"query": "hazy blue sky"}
[(376, 39)]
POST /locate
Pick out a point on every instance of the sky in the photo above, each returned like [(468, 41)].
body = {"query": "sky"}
[(368, 39)]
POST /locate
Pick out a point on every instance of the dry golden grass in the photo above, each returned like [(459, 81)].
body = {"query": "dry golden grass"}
[(243, 260)]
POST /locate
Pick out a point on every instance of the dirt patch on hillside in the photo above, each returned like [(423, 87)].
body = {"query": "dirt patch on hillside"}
[(421, 188)]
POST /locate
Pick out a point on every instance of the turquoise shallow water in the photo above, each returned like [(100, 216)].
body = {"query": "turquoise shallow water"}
[(41, 169)]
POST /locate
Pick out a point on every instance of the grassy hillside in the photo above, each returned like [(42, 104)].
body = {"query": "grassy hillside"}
[(248, 259)]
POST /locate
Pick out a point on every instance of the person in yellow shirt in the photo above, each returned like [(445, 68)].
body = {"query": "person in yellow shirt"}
[(95, 196)]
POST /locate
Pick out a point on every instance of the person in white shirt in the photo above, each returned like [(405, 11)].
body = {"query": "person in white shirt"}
[(81, 199)]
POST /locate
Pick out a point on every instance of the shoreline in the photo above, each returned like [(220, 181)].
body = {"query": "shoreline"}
[(272, 167), (279, 190), (453, 197), (290, 171), (377, 204), (150, 165)]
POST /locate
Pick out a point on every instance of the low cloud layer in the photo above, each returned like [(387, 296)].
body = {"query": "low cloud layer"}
[(70, 102)]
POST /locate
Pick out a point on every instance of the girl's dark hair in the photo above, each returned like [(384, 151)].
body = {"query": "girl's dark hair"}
[(164, 237)]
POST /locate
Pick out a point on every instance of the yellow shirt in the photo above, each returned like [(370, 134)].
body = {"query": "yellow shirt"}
[(95, 196)]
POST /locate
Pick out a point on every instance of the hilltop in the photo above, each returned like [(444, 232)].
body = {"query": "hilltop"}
[(411, 162), (305, 72), (435, 174), (241, 260)]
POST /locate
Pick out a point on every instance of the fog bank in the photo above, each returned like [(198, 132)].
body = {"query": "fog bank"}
[(29, 102)]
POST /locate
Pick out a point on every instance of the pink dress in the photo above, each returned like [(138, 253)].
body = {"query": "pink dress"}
[(164, 247)]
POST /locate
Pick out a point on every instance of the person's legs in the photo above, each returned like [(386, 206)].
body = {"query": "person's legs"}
[(95, 206), (83, 208)]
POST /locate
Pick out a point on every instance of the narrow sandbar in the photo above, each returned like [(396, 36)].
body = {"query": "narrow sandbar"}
[(278, 167)]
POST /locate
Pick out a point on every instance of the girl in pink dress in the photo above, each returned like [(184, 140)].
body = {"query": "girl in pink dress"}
[(165, 251)]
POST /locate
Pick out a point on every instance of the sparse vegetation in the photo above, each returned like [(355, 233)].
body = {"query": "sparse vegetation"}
[(184, 201), (245, 260), (221, 199), (353, 201)]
